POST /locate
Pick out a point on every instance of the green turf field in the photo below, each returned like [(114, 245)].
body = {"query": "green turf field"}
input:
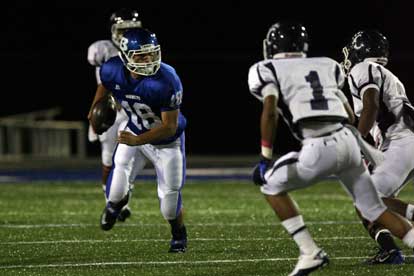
[(52, 229)]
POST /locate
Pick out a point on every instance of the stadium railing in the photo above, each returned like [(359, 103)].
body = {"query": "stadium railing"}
[(37, 135)]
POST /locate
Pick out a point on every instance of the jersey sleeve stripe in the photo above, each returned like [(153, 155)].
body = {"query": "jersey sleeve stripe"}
[(370, 82), (371, 78), (337, 71), (355, 86), (258, 90), (273, 70), (260, 77)]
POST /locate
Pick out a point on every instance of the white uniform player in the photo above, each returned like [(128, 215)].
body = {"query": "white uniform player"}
[(308, 93), (396, 139), (381, 103), (98, 53)]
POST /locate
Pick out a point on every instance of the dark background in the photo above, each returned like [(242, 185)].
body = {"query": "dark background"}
[(211, 45)]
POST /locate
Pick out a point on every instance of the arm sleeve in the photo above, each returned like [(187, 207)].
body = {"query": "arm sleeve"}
[(366, 75), (174, 97), (262, 81)]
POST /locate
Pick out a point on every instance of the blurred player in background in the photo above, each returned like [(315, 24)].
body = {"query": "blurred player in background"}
[(385, 112), (98, 53), (306, 91), (150, 92)]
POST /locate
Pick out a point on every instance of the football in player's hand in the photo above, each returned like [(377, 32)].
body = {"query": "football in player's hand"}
[(103, 114)]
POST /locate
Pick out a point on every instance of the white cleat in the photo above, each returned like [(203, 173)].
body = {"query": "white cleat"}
[(308, 263)]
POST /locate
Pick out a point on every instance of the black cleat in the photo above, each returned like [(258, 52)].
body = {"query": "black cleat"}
[(124, 214), (107, 220), (178, 246), (383, 256)]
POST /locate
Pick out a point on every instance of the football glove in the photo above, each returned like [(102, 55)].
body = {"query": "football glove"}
[(260, 170)]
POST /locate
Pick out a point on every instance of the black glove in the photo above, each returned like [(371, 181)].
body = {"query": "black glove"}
[(260, 170)]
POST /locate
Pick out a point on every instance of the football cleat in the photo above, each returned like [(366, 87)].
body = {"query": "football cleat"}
[(107, 220), (178, 242), (124, 214), (178, 246), (308, 263), (383, 256)]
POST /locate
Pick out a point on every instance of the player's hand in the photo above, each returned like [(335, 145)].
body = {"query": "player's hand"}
[(128, 138), (260, 170), (368, 164)]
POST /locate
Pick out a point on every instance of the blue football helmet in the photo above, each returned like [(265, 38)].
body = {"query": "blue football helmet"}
[(285, 37), (122, 20), (140, 51), (367, 44)]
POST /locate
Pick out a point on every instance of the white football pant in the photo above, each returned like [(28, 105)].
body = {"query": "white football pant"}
[(397, 168), (169, 163), (337, 154)]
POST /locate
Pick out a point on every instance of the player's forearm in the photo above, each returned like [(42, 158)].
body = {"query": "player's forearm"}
[(367, 121), (155, 134), (268, 132)]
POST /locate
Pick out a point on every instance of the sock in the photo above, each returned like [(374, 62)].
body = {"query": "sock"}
[(409, 213), (297, 229), (408, 239), (385, 240), (178, 231)]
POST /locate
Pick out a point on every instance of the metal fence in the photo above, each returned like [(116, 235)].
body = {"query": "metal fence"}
[(37, 135)]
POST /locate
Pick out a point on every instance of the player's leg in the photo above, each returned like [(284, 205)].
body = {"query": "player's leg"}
[(294, 171), (359, 185), (400, 207), (393, 174), (107, 151), (117, 189), (388, 251), (121, 124), (139, 161), (389, 178), (170, 167)]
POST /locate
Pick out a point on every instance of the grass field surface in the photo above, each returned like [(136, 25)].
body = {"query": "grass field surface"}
[(52, 228)]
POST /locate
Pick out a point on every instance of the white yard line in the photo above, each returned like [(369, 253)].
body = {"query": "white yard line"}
[(171, 262), (74, 225), (167, 240)]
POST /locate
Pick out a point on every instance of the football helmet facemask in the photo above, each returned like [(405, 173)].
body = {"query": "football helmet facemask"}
[(140, 51), (368, 45), (120, 21), (285, 37)]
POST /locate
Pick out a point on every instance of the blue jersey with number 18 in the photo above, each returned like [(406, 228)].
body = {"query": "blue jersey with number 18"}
[(145, 98)]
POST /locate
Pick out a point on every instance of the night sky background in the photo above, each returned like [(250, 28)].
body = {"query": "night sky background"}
[(211, 45)]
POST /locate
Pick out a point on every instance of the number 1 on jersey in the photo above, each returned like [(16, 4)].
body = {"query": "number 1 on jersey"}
[(318, 102)]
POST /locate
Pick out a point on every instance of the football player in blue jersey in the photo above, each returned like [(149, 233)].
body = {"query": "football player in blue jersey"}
[(98, 53), (150, 92)]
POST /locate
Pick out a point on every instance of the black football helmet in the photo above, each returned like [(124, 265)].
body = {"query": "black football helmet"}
[(121, 20), (285, 37), (367, 44)]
